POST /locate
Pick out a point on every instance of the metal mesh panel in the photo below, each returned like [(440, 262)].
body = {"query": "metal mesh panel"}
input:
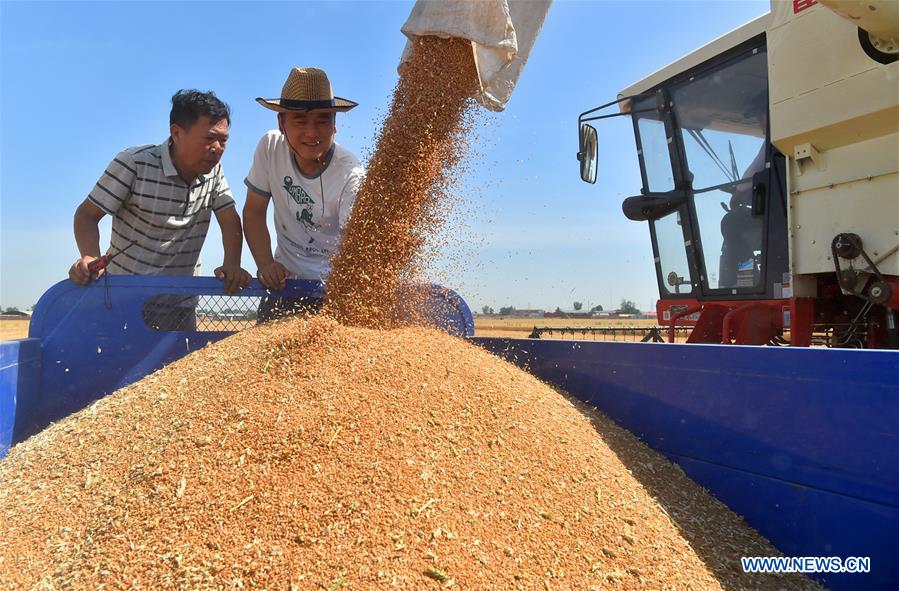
[(208, 313)]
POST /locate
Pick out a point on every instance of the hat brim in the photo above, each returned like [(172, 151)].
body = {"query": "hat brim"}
[(336, 105)]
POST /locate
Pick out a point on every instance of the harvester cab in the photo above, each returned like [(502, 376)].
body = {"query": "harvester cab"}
[(712, 183), (751, 246)]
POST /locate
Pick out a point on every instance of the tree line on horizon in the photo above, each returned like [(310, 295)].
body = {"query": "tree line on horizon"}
[(625, 307)]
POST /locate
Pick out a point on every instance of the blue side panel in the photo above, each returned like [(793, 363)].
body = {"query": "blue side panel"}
[(95, 341), (446, 310), (811, 522), (20, 363), (757, 425)]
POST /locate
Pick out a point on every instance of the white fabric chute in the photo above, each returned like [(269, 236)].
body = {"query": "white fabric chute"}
[(502, 33)]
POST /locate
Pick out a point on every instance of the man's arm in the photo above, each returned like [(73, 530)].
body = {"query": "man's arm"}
[(110, 194), (87, 237), (230, 272), (271, 273)]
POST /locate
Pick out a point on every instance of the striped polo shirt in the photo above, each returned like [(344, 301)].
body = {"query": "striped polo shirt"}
[(156, 212)]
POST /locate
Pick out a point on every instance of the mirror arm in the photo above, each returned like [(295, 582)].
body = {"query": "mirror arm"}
[(598, 117), (582, 116), (582, 156)]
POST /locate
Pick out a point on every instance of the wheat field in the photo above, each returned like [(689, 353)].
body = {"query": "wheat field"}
[(484, 326), (14, 329), (492, 326)]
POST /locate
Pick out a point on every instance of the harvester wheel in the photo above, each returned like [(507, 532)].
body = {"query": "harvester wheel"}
[(884, 51)]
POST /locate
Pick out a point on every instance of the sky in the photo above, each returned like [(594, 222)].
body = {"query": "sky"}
[(80, 81)]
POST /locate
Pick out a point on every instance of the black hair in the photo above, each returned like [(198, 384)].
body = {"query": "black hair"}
[(189, 105)]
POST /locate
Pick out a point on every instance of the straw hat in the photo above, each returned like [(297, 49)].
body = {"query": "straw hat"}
[(307, 89)]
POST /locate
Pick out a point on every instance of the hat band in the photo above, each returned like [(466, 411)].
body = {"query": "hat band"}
[(295, 104)]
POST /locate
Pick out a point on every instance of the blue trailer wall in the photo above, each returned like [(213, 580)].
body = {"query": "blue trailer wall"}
[(803, 443), (20, 365)]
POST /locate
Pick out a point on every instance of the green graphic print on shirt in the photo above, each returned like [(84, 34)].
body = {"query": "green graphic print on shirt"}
[(302, 198)]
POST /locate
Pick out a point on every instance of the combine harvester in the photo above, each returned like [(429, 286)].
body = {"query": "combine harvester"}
[(770, 169), (770, 164)]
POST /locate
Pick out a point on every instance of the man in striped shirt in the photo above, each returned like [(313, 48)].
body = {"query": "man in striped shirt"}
[(162, 198)]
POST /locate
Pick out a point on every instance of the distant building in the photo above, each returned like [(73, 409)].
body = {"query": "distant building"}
[(15, 314), (596, 315), (528, 313), (568, 314)]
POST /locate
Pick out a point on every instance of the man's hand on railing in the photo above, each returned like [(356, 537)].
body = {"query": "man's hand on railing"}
[(234, 277), (273, 275), (80, 272)]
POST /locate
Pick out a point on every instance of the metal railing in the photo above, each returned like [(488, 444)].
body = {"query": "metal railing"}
[(643, 334)]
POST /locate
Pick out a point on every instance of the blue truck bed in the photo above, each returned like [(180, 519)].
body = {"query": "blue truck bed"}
[(803, 443)]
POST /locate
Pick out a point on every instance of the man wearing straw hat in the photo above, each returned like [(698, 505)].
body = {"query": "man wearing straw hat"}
[(312, 182)]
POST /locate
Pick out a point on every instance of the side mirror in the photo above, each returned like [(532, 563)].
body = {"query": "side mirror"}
[(652, 206), (588, 144)]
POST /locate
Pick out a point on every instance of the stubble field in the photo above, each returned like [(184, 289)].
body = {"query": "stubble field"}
[(13, 329), (521, 327), (484, 326)]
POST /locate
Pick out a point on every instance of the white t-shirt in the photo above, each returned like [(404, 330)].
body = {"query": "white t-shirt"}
[(310, 212)]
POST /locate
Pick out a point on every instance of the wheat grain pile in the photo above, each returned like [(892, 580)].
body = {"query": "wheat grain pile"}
[(405, 195), (310, 455)]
